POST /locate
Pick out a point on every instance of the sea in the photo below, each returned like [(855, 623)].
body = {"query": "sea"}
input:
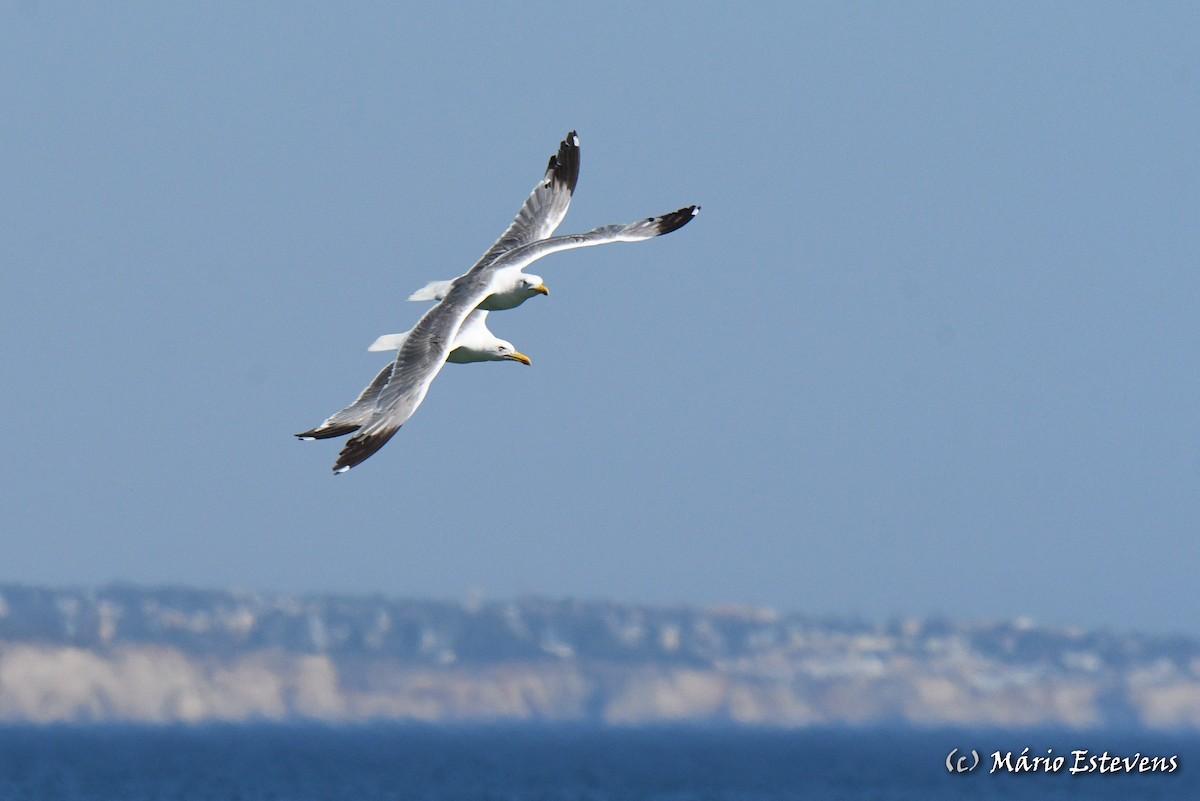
[(553, 763)]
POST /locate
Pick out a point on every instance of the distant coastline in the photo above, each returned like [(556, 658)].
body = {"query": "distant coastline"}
[(163, 655)]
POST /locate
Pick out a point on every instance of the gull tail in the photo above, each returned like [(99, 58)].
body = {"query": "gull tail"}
[(389, 341), (434, 290)]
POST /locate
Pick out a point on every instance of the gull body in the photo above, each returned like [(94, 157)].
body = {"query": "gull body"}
[(474, 343), (511, 291)]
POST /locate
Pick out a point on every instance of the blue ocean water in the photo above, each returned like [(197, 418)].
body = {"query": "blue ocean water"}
[(365, 763)]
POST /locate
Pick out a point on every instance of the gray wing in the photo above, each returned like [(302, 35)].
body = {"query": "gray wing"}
[(417, 363), (542, 213), (349, 419), (547, 205), (525, 255)]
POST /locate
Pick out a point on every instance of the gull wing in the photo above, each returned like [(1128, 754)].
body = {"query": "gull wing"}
[(474, 328), (648, 228), (349, 419), (542, 213), (546, 206)]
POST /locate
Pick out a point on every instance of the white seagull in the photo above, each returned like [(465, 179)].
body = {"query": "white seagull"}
[(538, 219), (496, 279), (540, 215), (474, 343)]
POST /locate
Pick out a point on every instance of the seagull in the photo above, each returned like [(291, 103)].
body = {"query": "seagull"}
[(540, 215), (537, 219), (497, 281), (424, 351), (474, 343)]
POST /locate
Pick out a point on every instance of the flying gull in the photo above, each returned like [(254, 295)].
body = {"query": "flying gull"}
[(424, 350), (538, 219), (540, 215), (497, 279), (474, 343)]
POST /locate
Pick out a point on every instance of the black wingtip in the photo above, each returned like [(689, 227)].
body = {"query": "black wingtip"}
[(565, 164), (361, 448), (677, 219), (322, 432)]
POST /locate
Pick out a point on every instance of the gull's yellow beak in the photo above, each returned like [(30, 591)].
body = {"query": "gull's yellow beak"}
[(519, 357), (541, 289)]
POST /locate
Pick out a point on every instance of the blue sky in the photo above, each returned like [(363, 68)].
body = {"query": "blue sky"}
[(931, 346)]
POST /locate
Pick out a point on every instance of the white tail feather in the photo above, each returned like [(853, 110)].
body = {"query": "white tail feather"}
[(388, 342), (434, 290)]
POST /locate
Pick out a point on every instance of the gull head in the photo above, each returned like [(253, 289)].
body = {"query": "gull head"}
[(486, 349), (504, 351), (511, 291), (532, 285)]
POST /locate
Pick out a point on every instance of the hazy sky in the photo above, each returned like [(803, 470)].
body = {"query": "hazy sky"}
[(931, 346)]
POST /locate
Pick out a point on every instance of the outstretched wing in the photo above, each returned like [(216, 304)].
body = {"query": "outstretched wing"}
[(547, 205), (541, 215), (648, 228), (349, 419)]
